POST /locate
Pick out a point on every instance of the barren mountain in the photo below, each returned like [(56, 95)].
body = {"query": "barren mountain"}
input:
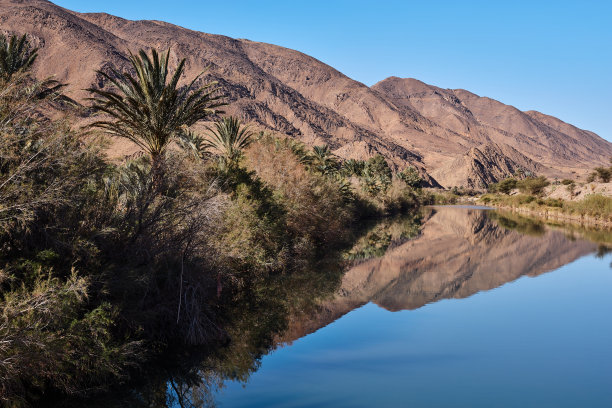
[(409, 122)]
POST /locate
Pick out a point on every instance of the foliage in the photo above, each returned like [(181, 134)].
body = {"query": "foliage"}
[(533, 185), (376, 175), (227, 139), (194, 144), (505, 186), (150, 108), (410, 175), (593, 205), (16, 56), (50, 339), (604, 174), (353, 167), (323, 161), (227, 249), (317, 207)]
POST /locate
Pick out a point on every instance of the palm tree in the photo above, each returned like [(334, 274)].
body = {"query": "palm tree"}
[(15, 56), (193, 143), (150, 109), (227, 140), (323, 160), (352, 167)]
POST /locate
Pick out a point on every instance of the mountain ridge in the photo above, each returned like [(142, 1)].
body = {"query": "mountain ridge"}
[(289, 92)]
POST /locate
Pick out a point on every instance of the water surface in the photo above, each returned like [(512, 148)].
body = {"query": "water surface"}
[(477, 310)]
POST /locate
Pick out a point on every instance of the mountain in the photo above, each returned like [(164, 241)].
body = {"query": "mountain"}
[(409, 122)]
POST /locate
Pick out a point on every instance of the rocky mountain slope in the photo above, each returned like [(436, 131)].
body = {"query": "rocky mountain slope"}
[(484, 165), (409, 122)]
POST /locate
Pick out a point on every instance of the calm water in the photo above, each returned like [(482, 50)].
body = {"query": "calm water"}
[(453, 307), (477, 310)]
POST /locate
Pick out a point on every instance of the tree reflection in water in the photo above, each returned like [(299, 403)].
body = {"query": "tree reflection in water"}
[(400, 263)]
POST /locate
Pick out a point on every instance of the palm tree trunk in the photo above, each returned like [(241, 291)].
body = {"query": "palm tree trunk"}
[(158, 169)]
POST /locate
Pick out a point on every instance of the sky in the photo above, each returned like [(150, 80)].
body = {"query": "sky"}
[(551, 56)]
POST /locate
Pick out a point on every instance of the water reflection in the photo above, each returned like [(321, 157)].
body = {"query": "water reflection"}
[(397, 264)]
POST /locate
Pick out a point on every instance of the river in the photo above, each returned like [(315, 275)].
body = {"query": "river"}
[(453, 307)]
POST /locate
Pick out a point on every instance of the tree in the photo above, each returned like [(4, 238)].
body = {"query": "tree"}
[(376, 175), (411, 177), (352, 167), (323, 160), (507, 185), (533, 185), (150, 109), (604, 174), (15, 56), (228, 139)]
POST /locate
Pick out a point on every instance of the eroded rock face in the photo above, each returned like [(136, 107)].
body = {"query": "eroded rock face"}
[(409, 122), (458, 253), (484, 165)]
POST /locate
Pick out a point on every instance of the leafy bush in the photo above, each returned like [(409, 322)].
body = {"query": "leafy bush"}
[(603, 174), (533, 185), (376, 175), (505, 186), (411, 177)]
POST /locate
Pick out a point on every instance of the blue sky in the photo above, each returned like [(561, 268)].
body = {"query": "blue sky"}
[(550, 56)]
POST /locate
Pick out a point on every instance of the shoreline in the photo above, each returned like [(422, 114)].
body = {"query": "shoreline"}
[(551, 214)]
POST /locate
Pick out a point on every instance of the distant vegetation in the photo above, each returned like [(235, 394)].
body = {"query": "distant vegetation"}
[(603, 174), (595, 206), (104, 264), (529, 185)]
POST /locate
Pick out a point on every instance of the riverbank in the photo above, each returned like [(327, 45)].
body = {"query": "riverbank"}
[(594, 210)]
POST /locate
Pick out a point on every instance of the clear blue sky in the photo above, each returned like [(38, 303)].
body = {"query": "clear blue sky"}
[(551, 56)]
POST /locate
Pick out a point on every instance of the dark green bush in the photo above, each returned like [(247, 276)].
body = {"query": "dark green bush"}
[(533, 185)]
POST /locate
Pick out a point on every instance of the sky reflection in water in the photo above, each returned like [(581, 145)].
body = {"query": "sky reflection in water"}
[(533, 342)]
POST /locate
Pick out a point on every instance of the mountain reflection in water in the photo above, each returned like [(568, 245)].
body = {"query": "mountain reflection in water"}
[(402, 264)]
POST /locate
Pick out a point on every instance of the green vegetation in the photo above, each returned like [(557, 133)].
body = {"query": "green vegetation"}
[(594, 205), (505, 186), (151, 109), (15, 56), (104, 265), (603, 174), (528, 185), (227, 140)]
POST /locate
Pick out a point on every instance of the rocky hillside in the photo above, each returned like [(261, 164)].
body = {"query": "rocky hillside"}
[(484, 165), (409, 122)]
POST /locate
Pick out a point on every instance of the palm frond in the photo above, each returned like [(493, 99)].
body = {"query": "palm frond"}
[(149, 108)]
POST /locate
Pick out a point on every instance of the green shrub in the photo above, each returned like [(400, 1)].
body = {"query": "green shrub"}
[(376, 175), (410, 175), (594, 205), (604, 174), (533, 185), (505, 186)]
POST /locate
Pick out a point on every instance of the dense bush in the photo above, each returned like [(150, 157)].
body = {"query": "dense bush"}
[(505, 186), (411, 177), (533, 185)]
